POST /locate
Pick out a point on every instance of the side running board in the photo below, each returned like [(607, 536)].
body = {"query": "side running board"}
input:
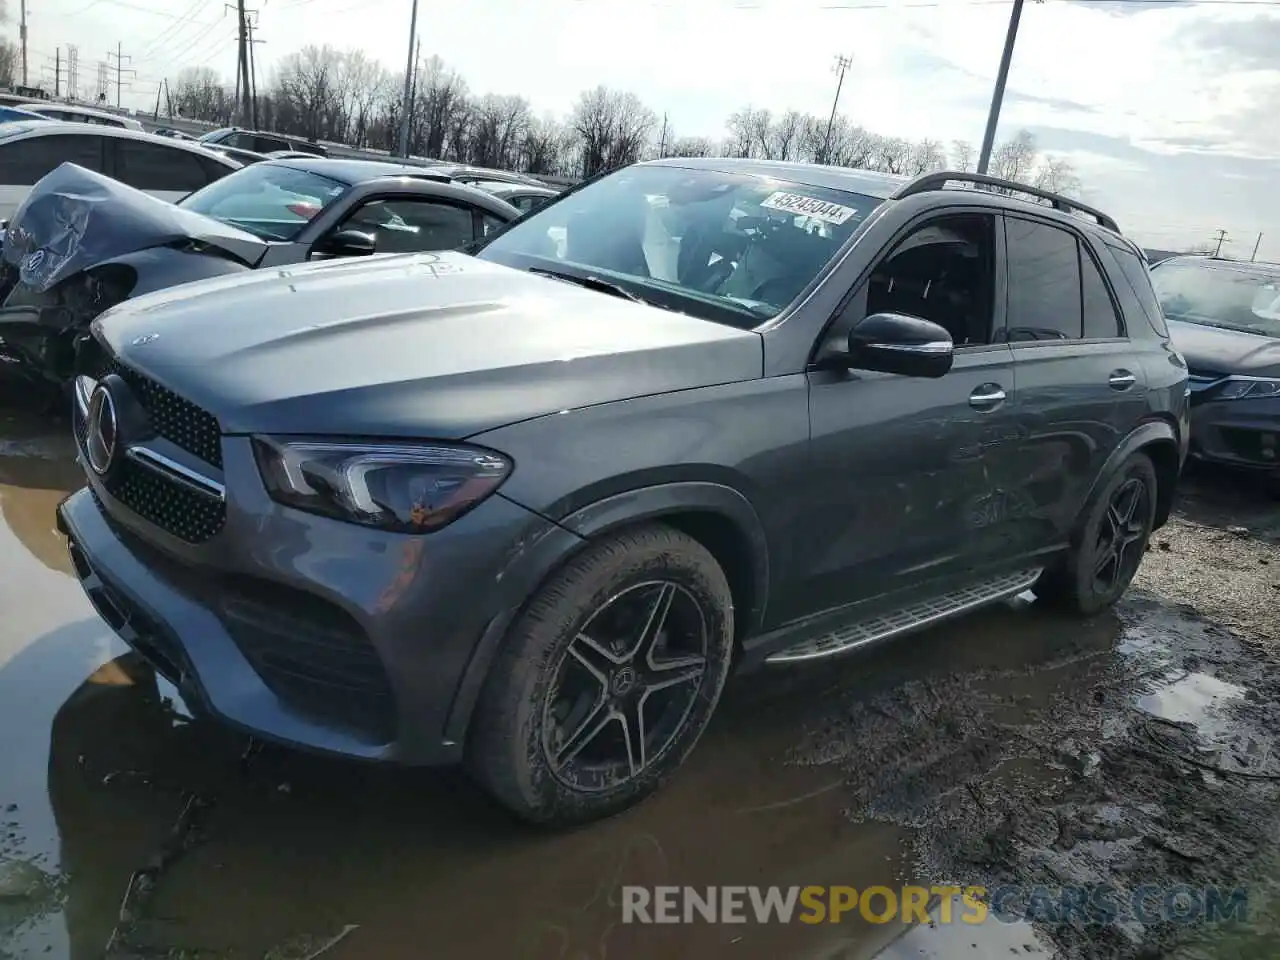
[(911, 617)]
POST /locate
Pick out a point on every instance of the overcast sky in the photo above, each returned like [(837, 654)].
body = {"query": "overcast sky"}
[(1168, 110)]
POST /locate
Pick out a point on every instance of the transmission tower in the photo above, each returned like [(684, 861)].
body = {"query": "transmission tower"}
[(104, 80), (73, 80)]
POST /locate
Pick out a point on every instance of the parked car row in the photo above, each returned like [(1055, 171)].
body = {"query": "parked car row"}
[(525, 506)]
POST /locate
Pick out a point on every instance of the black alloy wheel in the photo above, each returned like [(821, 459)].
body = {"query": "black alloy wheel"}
[(625, 685), (1122, 536), (607, 679)]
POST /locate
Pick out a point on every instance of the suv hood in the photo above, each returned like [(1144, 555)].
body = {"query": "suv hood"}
[(429, 345), (1218, 351), (74, 219)]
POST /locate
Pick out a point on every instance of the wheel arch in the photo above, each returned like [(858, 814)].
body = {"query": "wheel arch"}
[(1158, 440), (719, 517)]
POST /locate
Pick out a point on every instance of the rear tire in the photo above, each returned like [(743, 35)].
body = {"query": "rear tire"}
[(606, 681), (1111, 543)]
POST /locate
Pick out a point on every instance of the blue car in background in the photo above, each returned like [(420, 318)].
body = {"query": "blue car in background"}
[(15, 114)]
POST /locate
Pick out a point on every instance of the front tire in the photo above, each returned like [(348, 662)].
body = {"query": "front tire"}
[(607, 679), (1111, 543)]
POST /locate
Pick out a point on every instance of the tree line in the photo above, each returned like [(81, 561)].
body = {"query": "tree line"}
[(345, 96)]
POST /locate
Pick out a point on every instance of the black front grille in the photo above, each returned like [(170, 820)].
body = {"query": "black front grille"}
[(312, 655), (160, 499), (179, 421), (170, 504)]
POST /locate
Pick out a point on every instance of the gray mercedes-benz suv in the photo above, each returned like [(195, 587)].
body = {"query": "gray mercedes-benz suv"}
[(525, 508)]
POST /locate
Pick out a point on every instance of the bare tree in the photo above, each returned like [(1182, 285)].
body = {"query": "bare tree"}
[(1057, 175), (8, 63), (925, 156), (307, 91), (498, 130), (962, 156), (548, 145), (613, 128), (692, 147), (199, 94), (784, 136), (748, 132), (1015, 159)]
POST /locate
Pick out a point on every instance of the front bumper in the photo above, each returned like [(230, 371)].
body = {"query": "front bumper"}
[(310, 632), (1239, 433)]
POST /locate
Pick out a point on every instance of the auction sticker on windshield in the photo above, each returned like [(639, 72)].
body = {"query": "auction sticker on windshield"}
[(809, 207)]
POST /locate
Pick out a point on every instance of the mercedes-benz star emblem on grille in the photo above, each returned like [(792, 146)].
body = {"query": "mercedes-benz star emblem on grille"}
[(102, 431), (146, 338)]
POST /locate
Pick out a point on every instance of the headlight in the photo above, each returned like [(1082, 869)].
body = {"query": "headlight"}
[(406, 487), (1254, 388)]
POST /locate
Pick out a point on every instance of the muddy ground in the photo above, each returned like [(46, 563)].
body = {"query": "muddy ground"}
[(1015, 746)]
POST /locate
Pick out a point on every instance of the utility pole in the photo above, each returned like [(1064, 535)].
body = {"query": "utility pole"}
[(243, 77), (1222, 237), (253, 71), (842, 64), (407, 103), (22, 38), (997, 96), (155, 115), (417, 68), (120, 58), (1256, 245), (57, 72), (662, 143), (168, 100)]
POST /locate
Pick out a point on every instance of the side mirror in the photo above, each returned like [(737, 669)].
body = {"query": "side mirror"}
[(897, 343), (348, 243)]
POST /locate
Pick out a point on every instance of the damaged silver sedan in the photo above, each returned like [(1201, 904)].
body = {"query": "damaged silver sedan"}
[(82, 242)]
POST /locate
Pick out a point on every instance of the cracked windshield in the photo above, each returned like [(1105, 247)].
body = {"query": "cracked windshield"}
[(473, 488)]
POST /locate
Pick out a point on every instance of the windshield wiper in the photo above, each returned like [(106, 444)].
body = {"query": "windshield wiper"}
[(592, 283)]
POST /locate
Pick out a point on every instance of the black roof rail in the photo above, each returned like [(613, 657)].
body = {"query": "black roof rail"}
[(938, 181)]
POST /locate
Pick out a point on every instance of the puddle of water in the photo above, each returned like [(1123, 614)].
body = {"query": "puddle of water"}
[(1197, 699)]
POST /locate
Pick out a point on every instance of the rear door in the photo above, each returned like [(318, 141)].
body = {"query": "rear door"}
[(1078, 381), (169, 173), (25, 161)]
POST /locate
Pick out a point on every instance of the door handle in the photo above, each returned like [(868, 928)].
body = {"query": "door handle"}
[(987, 397), (1121, 380)]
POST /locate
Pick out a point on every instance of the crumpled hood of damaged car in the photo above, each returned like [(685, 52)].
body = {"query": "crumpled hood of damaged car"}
[(74, 219), (440, 345)]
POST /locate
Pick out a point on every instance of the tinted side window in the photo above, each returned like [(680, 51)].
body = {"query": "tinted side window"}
[(1100, 318), (268, 145), (26, 161), (1139, 279), (944, 272), (411, 226), (150, 166), (1044, 282), (212, 169)]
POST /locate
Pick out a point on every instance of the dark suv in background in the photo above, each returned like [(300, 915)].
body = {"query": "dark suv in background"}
[(524, 509)]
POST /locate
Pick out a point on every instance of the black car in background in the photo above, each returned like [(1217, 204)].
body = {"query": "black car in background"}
[(82, 242), (259, 141), (1224, 317)]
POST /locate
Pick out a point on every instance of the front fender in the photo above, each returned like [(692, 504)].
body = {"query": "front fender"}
[(531, 566)]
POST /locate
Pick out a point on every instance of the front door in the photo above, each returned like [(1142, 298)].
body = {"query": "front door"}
[(907, 470)]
